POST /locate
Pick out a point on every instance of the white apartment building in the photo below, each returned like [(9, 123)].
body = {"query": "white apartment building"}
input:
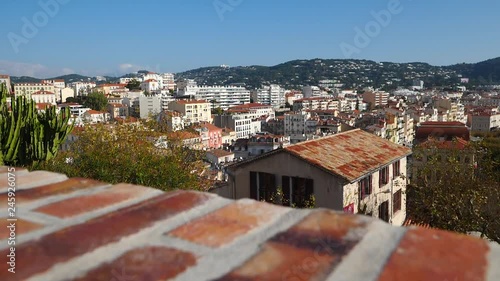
[(317, 103), (82, 88), (313, 91), (484, 121), (27, 89), (242, 125), (149, 105), (44, 97), (253, 110), (273, 95), (126, 80), (150, 85), (195, 111), (219, 96)]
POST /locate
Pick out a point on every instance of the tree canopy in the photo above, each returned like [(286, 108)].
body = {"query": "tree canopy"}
[(131, 154), (96, 101), (456, 190)]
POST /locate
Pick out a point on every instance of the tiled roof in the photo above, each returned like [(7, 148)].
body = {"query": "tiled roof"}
[(43, 93), (457, 143), (350, 154), (191, 101), (220, 153), (80, 229)]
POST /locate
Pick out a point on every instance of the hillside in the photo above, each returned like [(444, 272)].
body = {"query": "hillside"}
[(349, 73)]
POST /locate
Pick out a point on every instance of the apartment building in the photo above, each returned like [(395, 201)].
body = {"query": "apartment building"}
[(376, 99), (242, 125), (195, 111), (44, 97), (273, 95), (27, 89), (149, 105), (82, 88)]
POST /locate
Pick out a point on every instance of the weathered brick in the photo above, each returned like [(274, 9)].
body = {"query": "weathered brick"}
[(33, 179), (82, 204), (146, 264), (77, 240), (228, 223), (22, 227), (28, 195), (309, 250), (425, 254)]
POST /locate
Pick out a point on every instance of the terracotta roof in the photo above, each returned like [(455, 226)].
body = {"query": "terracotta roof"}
[(248, 106), (43, 105), (446, 130), (210, 127), (128, 232), (350, 155), (94, 112), (220, 153), (457, 143), (4, 76)]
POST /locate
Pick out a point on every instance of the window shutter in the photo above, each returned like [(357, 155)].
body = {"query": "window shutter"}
[(309, 188), (285, 181), (253, 185)]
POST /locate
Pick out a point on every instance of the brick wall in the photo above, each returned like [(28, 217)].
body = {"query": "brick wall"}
[(80, 229)]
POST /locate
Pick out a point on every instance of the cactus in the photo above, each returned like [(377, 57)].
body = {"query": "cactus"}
[(26, 136)]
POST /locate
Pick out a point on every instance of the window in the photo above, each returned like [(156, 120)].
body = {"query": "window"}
[(297, 191), (262, 186), (396, 201), (365, 187), (383, 176), (383, 211), (395, 169)]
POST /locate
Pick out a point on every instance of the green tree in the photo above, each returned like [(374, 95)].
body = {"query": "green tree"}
[(134, 84), (132, 154), (96, 101), (456, 190)]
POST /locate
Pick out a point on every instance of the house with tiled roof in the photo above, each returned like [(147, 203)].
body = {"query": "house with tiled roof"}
[(354, 171)]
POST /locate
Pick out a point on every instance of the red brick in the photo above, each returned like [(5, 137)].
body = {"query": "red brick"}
[(425, 254), (83, 204), (22, 227), (226, 224), (308, 251), (146, 264), (77, 240), (32, 179), (67, 186)]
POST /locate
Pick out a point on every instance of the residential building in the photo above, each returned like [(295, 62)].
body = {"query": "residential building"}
[(228, 137), (252, 110), (117, 110), (242, 125), (261, 143), (441, 131), (484, 121), (219, 156), (195, 111), (312, 91), (149, 105), (94, 117), (27, 89), (106, 89), (44, 97), (223, 96), (273, 95), (173, 119), (150, 85), (66, 93), (211, 135), (82, 88), (353, 171), (5, 79), (376, 99)]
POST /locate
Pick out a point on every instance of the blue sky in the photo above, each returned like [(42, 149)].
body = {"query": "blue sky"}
[(112, 37)]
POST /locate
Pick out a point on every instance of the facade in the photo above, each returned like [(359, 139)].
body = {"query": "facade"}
[(252, 110), (484, 121), (82, 88), (273, 95), (223, 96), (375, 99), (173, 120), (261, 143), (117, 110), (194, 111), (67, 93), (242, 125), (44, 97), (27, 89), (353, 172), (107, 89), (150, 85), (149, 105), (94, 117), (219, 156), (211, 135)]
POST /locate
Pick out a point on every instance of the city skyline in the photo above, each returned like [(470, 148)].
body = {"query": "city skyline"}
[(49, 38)]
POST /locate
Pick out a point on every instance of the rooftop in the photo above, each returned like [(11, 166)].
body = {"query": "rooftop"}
[(351, 154), (220, 153), (80, 229)]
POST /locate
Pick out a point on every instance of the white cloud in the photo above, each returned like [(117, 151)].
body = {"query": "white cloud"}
[(14, 68)]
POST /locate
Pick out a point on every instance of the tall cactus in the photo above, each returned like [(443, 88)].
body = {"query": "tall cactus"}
[(26, 136)]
